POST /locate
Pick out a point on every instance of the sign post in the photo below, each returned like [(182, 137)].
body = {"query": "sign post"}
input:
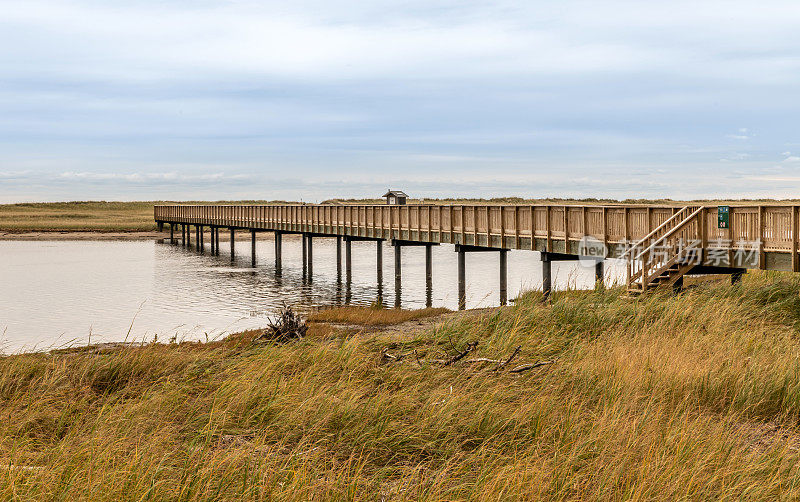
[(723, 217)]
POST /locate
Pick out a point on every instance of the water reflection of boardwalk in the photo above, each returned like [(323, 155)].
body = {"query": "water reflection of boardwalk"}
[(661, 243)]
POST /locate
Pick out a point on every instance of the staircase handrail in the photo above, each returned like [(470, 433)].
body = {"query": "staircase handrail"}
[(657, 229), (672, 231)]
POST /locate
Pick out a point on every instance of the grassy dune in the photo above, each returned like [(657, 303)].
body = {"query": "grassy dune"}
[(666, 397)]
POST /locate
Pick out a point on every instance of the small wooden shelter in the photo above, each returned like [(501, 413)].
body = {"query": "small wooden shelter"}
[(395, 197)]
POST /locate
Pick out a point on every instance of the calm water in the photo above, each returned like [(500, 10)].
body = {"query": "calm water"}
[(60, 293)]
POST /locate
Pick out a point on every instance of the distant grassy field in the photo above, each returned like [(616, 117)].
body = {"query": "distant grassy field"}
[(665, 397), (82, 216), (77, 216)]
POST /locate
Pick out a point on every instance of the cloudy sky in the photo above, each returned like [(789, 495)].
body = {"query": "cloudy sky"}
[(308, 100)]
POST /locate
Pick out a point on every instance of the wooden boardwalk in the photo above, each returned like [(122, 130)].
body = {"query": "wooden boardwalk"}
[(768, 233)]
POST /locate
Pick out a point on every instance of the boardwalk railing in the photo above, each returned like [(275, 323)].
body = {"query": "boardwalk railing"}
[(555, 228)]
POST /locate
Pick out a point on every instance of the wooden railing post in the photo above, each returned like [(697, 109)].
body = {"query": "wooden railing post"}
[(430, 223), (794, 239), (549, 242), (488, 211), (703, 235), (475, 225), (502, 227), (626, 222), (761, 237), (463, 225), (585, 222), (419, 223)]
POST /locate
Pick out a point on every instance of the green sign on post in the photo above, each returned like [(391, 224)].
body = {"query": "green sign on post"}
[(723, 219)]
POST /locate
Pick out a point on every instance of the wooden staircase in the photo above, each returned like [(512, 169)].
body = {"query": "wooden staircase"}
[(665, 255)]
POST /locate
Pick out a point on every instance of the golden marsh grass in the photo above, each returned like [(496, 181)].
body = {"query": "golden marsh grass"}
[(695, 396)]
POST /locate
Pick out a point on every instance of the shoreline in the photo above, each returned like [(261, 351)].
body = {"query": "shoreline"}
[(90, 235)]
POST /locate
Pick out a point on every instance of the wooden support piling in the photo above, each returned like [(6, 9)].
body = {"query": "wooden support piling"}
[(233, 240), (278, 251), (503, 276), (304, 253), (547, 275), (338, 258), (599, 273), (253, 248), (398, 267), (429, 276), (677, 286), (428, 265), (379, 260), (348, 260), (172, 233), (310, 256), (462, 279)]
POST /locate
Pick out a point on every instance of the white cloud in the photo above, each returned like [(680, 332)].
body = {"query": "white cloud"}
[(343, 40), (736, 156), (148, 177)]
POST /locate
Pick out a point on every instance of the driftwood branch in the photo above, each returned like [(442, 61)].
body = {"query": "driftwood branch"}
[(525, 367), (482, 360), (398, 357), (470, 347), (512, 356)]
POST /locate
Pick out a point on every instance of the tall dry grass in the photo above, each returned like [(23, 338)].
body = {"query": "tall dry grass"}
[(695, 396)]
